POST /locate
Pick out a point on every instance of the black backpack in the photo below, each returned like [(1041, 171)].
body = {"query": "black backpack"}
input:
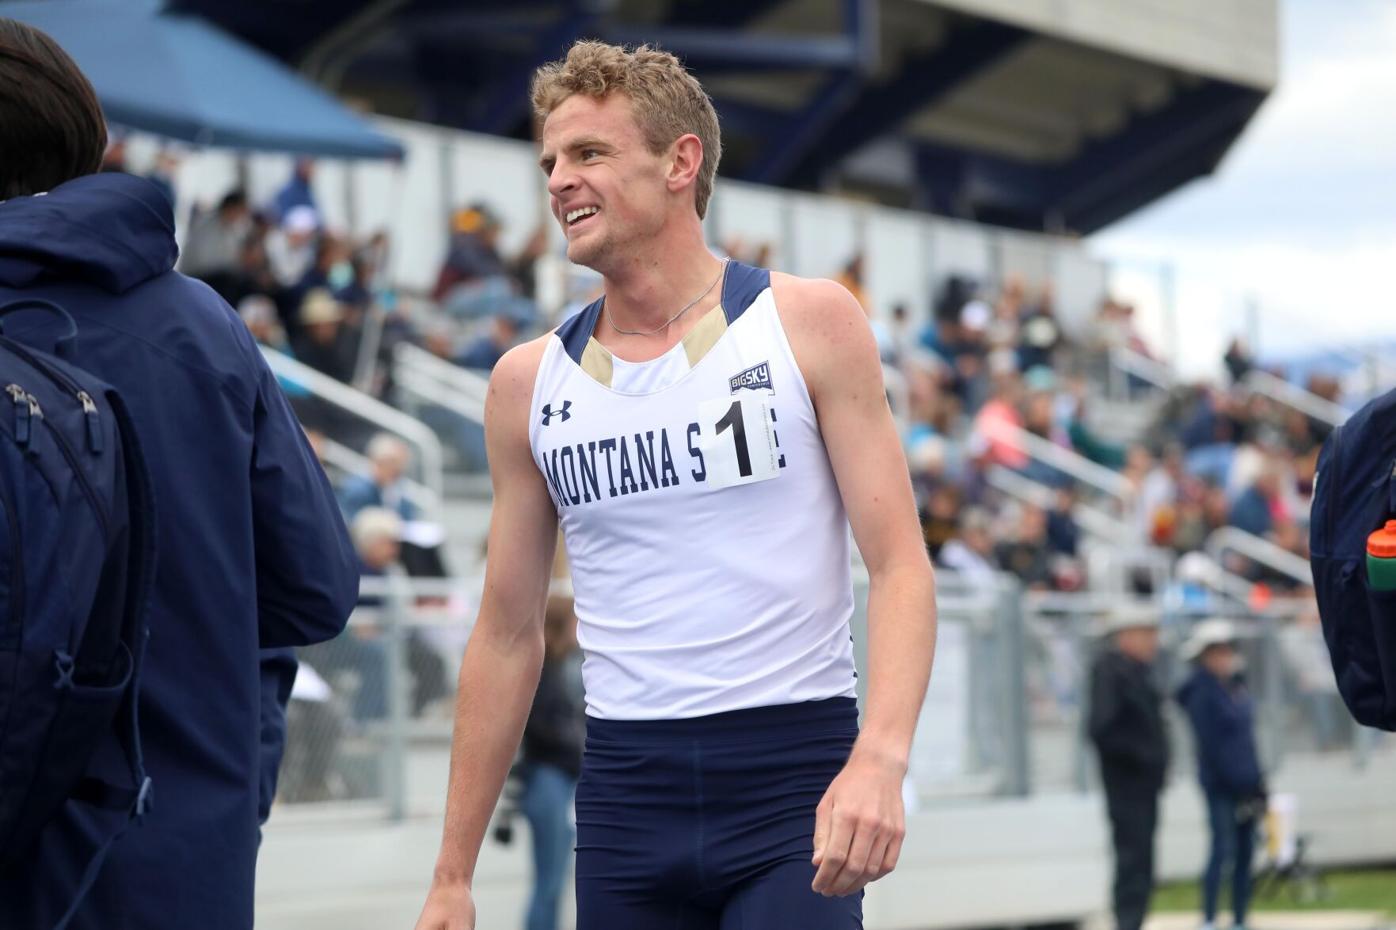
[(76, 563), (1355, 494)]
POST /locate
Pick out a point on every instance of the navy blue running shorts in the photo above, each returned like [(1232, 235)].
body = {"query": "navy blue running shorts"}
[(708, 823)]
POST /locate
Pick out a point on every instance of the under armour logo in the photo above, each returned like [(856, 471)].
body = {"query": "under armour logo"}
[(549, 412)]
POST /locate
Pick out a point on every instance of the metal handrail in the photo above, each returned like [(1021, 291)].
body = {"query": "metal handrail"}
[(351, 462), (1081, 604), (439, 381), (1127, 361), (367, 407), (1094, 520), (1233, 539), (432, 392), (1103, 479), (1291, 395), (462, 378)]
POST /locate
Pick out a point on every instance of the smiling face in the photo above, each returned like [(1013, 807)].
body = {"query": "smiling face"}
[(607, 189)]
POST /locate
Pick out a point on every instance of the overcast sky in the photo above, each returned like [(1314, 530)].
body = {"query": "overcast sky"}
[(1301, 215)]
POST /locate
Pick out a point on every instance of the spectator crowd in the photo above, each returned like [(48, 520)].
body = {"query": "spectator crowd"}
[(993, 383)]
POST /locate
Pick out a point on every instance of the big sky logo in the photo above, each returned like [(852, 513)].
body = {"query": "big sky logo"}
[(757, 377)]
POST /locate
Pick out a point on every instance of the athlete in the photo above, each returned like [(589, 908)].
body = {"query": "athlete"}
[(705, 433)]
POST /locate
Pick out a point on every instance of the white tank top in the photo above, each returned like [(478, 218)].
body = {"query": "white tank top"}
[(707, 539)]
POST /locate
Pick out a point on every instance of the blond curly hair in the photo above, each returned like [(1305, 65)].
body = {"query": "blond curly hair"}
[(668, 102)]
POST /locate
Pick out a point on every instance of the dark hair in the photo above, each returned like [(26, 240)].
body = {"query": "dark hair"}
[(233, 199), (51, 125)]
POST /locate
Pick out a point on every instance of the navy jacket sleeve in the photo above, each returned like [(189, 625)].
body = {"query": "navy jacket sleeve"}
[(307, 572), (278, 674)]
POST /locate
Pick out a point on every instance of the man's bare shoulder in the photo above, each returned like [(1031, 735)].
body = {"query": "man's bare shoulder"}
[(825, 324), (511, 382), (817, 308)]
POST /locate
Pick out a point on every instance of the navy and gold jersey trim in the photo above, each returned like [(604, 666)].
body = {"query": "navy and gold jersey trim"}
[(741, 285)]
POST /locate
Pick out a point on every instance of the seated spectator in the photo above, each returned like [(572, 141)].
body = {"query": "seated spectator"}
[(971, 554), (473, 252), (1253, 511), (1157, 501), (939, 518), (1002, 329), (291, 246), (382, 541), (1039, 336), (1039, 405), (253, 276), (895, 340), (851, 277), (258, 313), (1184, 527), (360, 650), (297, 194), (389, 459), (325, 344), (1304, 434), (1238, 360), (486, 351), (998, 421), (333, 270), (1139, 464), (476, 280), (1063, 534), (377, 533), (1085, 441), (1025, 553), (213, 249)]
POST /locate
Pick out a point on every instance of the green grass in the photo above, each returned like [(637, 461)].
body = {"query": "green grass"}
[(1356, 890)]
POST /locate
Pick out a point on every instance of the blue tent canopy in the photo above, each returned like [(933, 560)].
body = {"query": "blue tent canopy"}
[(180, 77)]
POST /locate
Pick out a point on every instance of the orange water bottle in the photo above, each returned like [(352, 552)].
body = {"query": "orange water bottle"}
[(1381, 558)]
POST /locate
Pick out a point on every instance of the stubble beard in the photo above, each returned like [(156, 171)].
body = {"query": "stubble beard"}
[(590, 253)]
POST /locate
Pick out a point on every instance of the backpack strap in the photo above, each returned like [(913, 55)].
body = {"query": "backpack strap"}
[(63, 345), (138, 798)]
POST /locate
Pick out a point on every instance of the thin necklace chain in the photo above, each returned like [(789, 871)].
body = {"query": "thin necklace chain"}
[(669, 322)]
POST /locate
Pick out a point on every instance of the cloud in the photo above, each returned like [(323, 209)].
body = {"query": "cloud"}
[(1302, 215)]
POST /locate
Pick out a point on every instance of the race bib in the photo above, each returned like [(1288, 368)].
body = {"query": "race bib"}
[(738, 440)]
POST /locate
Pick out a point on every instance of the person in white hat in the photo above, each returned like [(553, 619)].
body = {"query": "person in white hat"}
[(1127, 726), (1222, 715)]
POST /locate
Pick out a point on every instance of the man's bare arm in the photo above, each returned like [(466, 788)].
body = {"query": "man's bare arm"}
[(838, 356), (499, 672)]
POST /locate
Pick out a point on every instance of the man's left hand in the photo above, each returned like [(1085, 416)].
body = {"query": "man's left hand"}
[(858, 826)]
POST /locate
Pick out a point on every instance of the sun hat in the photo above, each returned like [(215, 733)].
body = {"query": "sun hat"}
[(1208, 633)]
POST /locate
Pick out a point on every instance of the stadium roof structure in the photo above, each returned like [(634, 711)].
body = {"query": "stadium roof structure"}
[(1055, 115)]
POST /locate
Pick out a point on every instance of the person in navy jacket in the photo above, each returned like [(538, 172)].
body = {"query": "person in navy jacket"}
[(1222, 715), (253, 557)]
